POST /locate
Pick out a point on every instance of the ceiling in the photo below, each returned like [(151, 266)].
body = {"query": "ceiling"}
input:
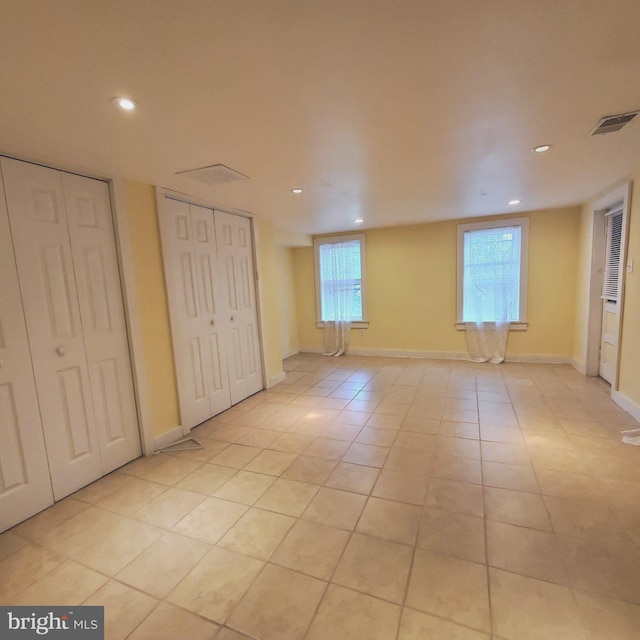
[(395, 111)]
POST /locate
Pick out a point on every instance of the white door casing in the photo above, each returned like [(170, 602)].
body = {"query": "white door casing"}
[(236, 254), (64, 245), (25, 485)]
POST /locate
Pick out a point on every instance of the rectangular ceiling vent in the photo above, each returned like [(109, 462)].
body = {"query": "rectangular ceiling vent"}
[(608, 124), (213, 174)]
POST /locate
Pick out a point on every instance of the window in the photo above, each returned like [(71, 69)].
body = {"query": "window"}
[(613, 242), (492, 271), (340, 291)]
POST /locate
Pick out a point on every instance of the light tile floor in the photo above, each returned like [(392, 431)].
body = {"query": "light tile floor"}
[(363, 498)]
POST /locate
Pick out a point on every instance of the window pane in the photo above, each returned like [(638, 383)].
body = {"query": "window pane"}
[(340, 281), (491, 289)]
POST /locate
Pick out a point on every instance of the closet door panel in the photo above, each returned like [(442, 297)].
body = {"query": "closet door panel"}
[(189, 348), (208, 264), (235, 246), (226, 248), (25, 485), (211, 291), (88, 208), (37, 215)]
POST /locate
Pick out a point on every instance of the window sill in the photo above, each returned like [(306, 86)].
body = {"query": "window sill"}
[(515, 326), (359, 324)]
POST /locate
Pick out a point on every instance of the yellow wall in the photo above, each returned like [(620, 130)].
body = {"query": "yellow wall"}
[(583, 267), (288, 317), (411, 289), (629, 377), (151, 302), (269, 289)]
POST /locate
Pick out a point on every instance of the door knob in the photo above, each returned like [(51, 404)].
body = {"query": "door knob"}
[(61, 351), (232, 318), (213, 323)]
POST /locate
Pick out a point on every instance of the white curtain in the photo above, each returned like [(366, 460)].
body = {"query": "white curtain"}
[(340, 278), (491, 290), (336, 337), (487, 341)]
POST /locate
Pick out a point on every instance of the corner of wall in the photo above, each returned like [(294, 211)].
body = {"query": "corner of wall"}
[(152, 314)]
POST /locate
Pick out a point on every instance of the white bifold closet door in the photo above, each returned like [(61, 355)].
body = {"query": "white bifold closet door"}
[(192, 271), (25, 486), (208, 259), (233, 234), (64, 244)]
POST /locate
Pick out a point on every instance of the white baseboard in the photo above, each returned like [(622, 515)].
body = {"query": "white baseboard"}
[(443, 355), (581, 367), (396, 353), (399, 353), (167, 438), (631, 407), (539, 359), (288, 354), (272, 382)]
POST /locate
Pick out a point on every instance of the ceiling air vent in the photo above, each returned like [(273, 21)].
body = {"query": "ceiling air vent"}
[(609, 124), (213, 174)]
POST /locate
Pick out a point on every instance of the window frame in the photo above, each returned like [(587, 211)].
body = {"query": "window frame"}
[(317, 243), (610, 267), (523, 223)]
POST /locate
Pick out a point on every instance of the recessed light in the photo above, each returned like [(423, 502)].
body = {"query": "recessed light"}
[(541, 149), (359, 220), (127, 104), (297, 190), (513, 202)]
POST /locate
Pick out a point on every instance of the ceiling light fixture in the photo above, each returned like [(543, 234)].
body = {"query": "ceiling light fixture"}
[(513, 202), (541, 148), (126, 104), (359, 220), (296, 190)]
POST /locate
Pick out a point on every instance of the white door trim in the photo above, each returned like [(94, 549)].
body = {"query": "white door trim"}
[(621, 194)]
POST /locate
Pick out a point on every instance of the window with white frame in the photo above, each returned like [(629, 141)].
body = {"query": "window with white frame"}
[(340, 289), (492, 271), (613, 244)]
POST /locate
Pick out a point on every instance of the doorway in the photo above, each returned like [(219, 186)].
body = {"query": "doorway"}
[(67, 408), (610, 215), (208, 260)]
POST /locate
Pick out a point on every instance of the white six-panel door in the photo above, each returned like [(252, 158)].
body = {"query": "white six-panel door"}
[(208, 260), (65, 253), (25, 485), (236, 254), (211, 297), (191, 271), (103, 322)]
